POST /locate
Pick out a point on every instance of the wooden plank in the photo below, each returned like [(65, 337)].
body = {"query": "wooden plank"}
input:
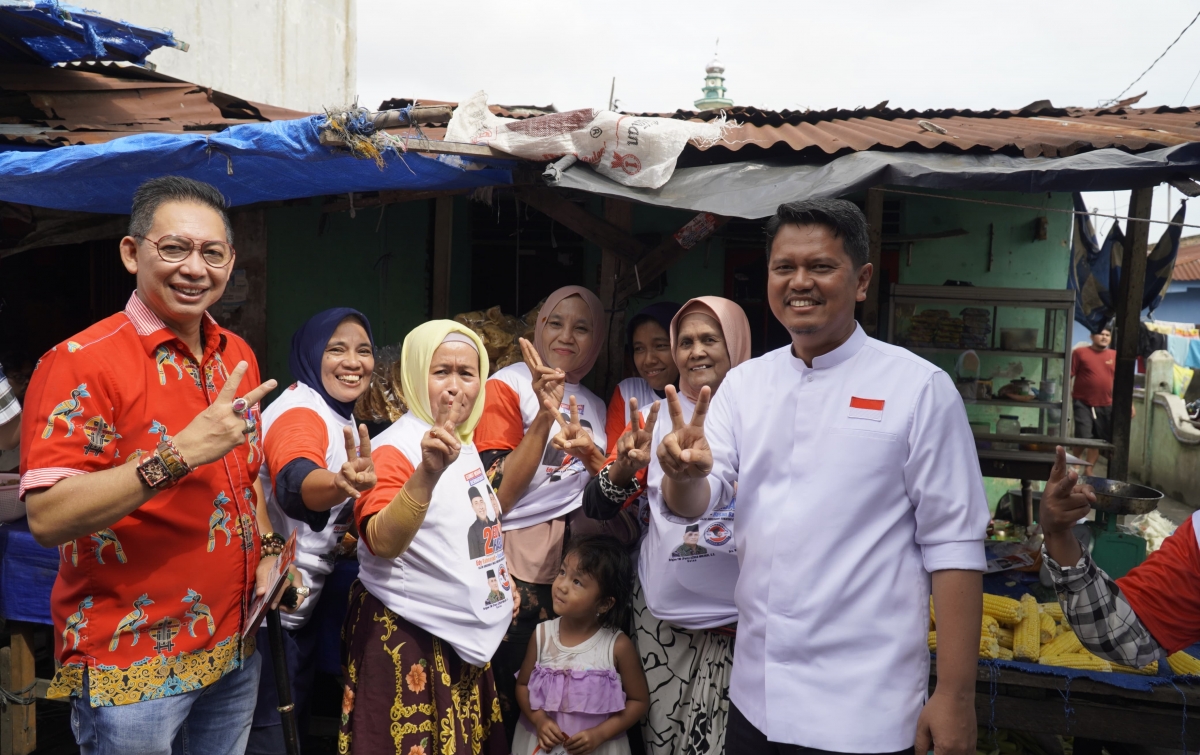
[(443, 230), (604, 234), (431, 147), (23, 737), (619, 214), (870, 307), (1073, 716), (397, 196), (1129, 310), (670, 251), (7, 712)]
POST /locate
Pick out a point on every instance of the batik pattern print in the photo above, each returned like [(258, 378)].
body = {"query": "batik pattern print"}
[(67, 411), (73, 546), (164, 356), (105, 538), (76, 622), (99, 434), (196, 611), (159, 429), (220, 520), (132, 623), (688, 674), (408, 693), (193, 371)]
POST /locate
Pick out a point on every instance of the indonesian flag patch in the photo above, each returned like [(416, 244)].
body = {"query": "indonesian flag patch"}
[(866, 408)]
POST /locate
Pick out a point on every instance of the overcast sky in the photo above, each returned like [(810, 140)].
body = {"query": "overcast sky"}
[(979, 54)]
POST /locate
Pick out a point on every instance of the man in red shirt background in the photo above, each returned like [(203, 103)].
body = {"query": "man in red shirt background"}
[(139, 460), (1092, 371)]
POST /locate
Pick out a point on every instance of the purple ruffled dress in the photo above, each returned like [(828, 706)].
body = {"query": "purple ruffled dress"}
[(579, 688)]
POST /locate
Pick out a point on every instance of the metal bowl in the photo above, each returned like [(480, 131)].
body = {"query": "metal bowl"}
[(1116, 497)]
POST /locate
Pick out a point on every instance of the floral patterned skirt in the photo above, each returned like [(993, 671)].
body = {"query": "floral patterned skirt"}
[(408, 693)]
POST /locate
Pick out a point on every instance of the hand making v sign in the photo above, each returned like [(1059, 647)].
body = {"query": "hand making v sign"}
[(219, 429), (357, 475), (684, 454), (573, 438), (633, 448), (548, 382), (440, 446)]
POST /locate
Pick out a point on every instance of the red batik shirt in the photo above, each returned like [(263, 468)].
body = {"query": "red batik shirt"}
[(154, 605)]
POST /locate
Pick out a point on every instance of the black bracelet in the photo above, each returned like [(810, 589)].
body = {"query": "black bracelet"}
[(614, 492)]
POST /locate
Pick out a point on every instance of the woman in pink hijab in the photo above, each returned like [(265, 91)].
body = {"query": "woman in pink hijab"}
[(687, 569), (537, 480)]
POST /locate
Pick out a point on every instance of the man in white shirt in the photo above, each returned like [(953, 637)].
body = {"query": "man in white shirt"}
[(858, 486)]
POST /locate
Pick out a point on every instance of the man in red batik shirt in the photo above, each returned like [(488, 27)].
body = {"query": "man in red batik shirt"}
[(139, 456)]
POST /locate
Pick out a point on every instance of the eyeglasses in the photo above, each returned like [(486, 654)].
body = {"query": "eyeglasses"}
[(173, 248)]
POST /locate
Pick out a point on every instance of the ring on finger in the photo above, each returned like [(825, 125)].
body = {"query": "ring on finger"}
[(303, 591), (240, 405), (249, 426)]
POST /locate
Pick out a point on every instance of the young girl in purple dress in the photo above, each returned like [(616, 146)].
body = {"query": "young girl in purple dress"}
[(582, 684)]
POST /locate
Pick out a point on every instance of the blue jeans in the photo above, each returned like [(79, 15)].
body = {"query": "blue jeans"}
[(210, 721)]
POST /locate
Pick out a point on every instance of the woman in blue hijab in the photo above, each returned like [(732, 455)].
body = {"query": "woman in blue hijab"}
[(316, 465)]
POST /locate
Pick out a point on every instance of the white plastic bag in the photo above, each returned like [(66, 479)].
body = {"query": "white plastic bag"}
[(631, 150)]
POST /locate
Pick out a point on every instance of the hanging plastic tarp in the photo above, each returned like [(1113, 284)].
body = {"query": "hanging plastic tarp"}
[(49, 32), (254, 162), (1096, 268)]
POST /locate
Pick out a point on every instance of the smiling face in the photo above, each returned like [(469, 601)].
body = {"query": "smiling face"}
[(652, 355), (178, 292), (454, 373), (348, 361), (701, 353), (567, 335), (480, 508), (812, 286), (495, 504)]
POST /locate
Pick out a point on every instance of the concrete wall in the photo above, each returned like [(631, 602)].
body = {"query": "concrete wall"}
[(299, 54), (1164, 449)]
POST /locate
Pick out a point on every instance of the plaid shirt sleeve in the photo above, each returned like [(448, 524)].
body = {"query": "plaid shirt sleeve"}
[(9, 406), (1102, 618)]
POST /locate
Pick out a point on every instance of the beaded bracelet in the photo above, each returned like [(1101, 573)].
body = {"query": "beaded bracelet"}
[(272, 544), (614, 492)]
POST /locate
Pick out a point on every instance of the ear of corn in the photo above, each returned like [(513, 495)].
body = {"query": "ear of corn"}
[(1006, 654), (1053, 609), (990, 626), (1004, 610), (1064, 644), (932, 615), (1027, 641), (1048, 628), (1004, 636), (1184, 664), (1151, 670), (1080, 661), (988, 647), (933, 642)]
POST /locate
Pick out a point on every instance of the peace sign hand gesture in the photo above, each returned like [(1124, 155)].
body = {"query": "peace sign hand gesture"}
[(633, 448), (548, 383), (572, 438), (218, 429), (685, 454), (357, 475), (440, 446)]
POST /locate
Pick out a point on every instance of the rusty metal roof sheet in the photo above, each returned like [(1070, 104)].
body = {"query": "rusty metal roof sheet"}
[(88, 103), (1187, 264)]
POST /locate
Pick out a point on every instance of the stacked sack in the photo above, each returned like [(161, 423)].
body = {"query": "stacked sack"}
[(977, 328), (1033, 632)]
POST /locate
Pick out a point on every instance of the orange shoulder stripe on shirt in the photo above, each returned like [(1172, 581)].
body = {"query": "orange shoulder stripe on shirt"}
[(298, 433), (392, 470), (501, 427), (618, 411)]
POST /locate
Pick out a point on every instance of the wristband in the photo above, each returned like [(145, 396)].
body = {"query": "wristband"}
[(614, 492), (272, 544), (176, 466)]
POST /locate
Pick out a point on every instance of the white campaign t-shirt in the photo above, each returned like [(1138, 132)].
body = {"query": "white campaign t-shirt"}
[(689, 584), (436, 584), (299, 424), (557, 485)]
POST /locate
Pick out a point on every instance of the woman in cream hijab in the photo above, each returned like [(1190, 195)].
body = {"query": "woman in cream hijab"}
[(426, 616)]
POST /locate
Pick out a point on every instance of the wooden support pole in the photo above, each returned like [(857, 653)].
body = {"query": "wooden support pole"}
[(611, 364), (1129, 309), (870, 307), (670, 251), (443, 230), (18, 723), (600, 232)]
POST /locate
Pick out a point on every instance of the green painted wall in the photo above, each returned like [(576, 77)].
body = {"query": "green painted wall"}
[(1018, 261), (378, 266)]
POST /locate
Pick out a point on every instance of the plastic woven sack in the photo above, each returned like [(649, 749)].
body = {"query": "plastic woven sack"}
[(631, 150)]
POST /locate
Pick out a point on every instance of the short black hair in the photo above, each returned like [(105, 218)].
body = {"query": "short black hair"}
[(157, 191), (838, 215), (474, 493), (604, 559)]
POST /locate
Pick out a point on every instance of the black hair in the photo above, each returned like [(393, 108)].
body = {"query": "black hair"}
[(637, 322), (154, 193), (604, 559), (474, 493), (840, 216)]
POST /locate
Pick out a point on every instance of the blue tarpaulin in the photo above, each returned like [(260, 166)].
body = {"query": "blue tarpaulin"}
[(249, 163), (1095, 272), (49, 32)]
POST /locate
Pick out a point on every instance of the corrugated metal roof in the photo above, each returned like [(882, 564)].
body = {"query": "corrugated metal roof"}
[(1187, 264), (88, 103)]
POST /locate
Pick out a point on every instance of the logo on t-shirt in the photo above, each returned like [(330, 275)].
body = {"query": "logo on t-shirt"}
[(717, 534)]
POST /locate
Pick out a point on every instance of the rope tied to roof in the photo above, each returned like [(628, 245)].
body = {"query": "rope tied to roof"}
[(360, 132)]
